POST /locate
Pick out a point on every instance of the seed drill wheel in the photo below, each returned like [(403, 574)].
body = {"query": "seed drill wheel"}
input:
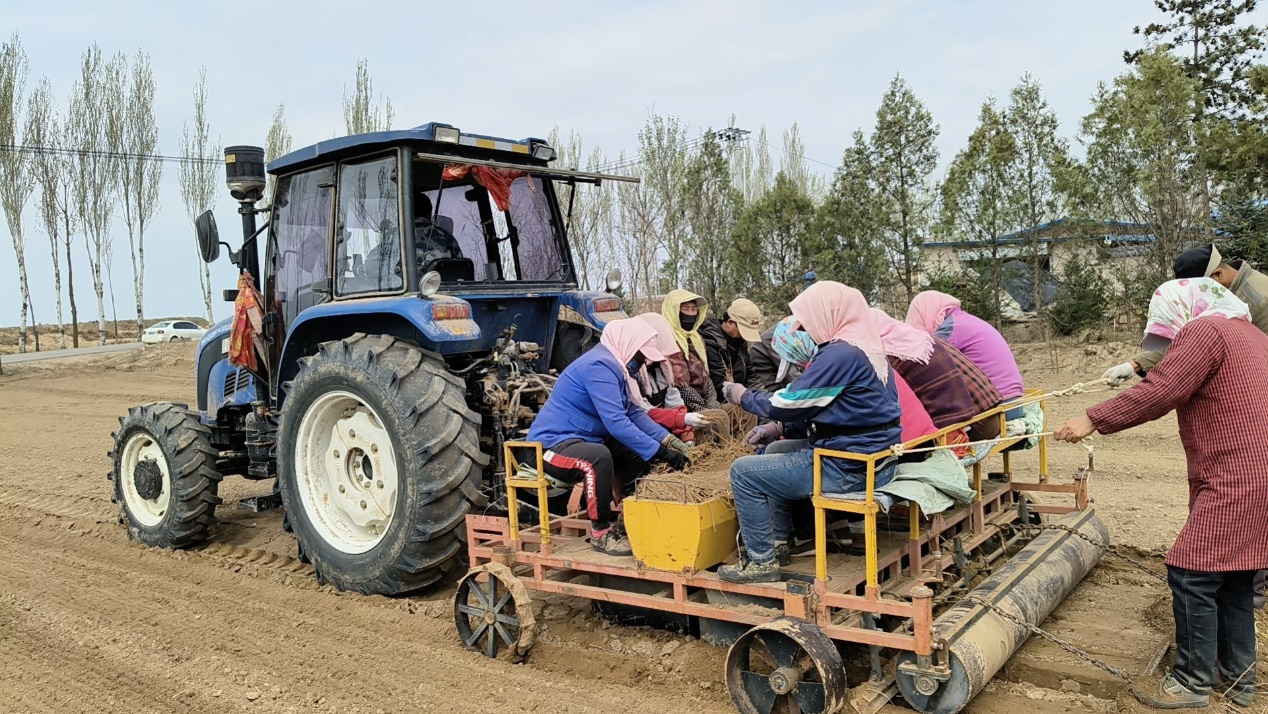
[(786, 665), (494, 613)]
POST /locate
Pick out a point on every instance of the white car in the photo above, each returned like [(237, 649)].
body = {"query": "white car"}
[(171, 331)]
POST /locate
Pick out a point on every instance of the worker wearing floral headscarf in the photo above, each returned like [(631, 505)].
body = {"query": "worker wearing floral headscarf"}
[(845, 400), (1214, 374)]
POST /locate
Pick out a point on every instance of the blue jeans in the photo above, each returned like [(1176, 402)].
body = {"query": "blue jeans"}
[(765, 486), (1215, 628)]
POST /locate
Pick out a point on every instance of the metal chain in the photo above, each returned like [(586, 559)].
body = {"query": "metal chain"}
[(1109, 549), (1032, 629)]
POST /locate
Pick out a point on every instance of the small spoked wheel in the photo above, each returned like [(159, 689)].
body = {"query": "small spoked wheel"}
[(786, 665), (494, 613)]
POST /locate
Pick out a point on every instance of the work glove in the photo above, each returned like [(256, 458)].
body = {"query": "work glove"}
[(763, 434), (731, 392), (696, 420), (1119, 373), (673, 443), (675, 459)]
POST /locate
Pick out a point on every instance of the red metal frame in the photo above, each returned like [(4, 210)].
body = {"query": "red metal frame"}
[(549, 555)]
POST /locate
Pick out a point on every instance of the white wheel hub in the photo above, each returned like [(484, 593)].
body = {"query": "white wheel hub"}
[(346, 471), (148, 512)]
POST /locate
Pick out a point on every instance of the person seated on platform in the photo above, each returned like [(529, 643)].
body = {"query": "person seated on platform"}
[(655, 384), (795, 349), (952, 388), (940, 315), (685, 312), (846, 400), (593, 432)]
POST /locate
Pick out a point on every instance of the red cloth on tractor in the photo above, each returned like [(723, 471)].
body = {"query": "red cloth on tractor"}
[(496, 181), (248, 318)]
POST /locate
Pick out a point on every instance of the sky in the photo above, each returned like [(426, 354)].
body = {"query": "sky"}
[(517, 69)]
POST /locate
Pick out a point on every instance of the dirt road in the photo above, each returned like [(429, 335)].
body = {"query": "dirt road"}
[(91, 622)]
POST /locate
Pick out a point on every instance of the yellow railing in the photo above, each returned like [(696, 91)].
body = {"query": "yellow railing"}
[(538, 483), (868, 507)]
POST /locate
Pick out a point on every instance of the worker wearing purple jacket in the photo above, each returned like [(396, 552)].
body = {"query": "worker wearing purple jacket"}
[(940, 315)]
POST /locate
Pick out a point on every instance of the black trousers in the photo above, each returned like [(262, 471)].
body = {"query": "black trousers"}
[(607, 471), (1215, 628)]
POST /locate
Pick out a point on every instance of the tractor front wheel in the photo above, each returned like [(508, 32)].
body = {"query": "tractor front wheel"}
[(165, 480), (378, 465)]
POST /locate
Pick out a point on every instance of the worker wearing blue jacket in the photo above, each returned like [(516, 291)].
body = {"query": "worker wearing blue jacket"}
[(594, 433), (846, 400)]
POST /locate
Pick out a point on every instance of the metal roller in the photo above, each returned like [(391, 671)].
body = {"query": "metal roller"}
[(1029, 586)]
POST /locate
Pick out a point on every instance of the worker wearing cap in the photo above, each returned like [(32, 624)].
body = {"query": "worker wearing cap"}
[(1205, 261), (726, 342)]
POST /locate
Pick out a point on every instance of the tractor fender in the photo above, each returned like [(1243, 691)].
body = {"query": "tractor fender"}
[(590, 307), (582, 316), (213, 348), (409, 318)]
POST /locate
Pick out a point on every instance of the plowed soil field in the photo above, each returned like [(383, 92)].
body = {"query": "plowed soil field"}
[(90, 622)]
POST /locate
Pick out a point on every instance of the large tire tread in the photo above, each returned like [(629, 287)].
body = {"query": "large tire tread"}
[(438, 454), (191, 459)]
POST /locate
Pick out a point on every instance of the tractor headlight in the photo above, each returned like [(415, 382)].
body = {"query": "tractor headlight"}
[(447, 134), (614, 280), (543, 152), (429, 284)]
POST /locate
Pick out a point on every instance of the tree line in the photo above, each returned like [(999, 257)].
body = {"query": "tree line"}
[(1175, 149), (1173, 152)]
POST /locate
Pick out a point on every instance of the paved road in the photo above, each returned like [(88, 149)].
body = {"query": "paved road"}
[(81, 352)]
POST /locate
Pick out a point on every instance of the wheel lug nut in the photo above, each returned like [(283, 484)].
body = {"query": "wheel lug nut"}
[(341, 488), (352, 433), (379, 484), (336, 453), (374, 448), (363, 505)]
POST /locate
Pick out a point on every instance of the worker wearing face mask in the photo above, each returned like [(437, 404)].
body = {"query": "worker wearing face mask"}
[(594, 433)]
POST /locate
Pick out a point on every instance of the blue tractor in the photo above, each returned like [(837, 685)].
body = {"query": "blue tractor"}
[(419, 299)]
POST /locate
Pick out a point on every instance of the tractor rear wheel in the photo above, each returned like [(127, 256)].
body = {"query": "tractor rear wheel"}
[(165, 480), (379, 463)]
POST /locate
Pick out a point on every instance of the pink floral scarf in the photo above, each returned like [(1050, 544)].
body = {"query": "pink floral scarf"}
[(1176, 303)]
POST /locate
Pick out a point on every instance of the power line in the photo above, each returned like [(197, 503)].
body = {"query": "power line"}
[(793, 153), (102, 153)]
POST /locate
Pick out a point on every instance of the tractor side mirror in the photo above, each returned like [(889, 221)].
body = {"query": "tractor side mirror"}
[(208, 237), (614, 280)]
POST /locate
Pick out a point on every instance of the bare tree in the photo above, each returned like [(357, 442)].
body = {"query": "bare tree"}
[(198, 174), (794, 166), (44, 130), (139, 175), (635, 238), (362, 113), (94, 136), (16, 182), (277, 144)]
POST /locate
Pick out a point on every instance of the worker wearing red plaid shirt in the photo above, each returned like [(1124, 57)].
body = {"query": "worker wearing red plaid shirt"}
[(1214, 374)]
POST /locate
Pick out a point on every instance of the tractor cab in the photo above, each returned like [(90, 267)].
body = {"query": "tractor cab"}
[(454, 240)]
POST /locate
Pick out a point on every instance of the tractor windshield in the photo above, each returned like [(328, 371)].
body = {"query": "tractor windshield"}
[(482, 224)]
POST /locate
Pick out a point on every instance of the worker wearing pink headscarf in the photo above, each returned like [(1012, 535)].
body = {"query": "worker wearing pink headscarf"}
[(594, 433), (846, 400), (940, 315), (654, 390)]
